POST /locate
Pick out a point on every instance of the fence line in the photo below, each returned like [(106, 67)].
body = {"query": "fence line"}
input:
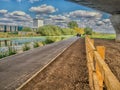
[(100, 76)]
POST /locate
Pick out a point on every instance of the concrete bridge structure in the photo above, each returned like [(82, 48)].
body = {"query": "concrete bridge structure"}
[(109, 6)]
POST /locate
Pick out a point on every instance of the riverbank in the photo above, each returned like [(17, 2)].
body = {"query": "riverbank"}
[(19, 45)]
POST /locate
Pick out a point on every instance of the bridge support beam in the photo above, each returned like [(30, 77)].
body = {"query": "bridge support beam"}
[(115, 20)]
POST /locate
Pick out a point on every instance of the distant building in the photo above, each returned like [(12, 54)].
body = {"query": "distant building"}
[(10, 28), (37, 23)]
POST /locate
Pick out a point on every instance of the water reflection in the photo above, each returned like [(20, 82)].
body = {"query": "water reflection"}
[(16, 45)]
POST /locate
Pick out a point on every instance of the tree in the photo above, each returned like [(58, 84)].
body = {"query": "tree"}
[(88, 31), (72, 24), (27, 29), (49, 30), (52, 30), (79, 30)]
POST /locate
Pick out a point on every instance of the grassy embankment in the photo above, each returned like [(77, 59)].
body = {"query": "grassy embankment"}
[(103, 36), (47, 30), (51, 33)]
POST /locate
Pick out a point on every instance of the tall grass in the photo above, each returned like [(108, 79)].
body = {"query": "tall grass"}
[(11, 51), (26, 47), (103, 36)]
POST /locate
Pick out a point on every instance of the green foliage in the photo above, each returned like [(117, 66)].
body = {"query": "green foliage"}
[(51, 30), (26, 47), (68, 31), (72, 24), (52, 40), (12, 51), (48, 41), (36, 44), (88, 31), (3, 54), (103, 36), (27, 29)]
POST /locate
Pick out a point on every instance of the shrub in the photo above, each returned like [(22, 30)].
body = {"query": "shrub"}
[(72, 24), (48, 41), (27, 29), (11, 51), (36, 44), (26, 47), (88, 31), (51, 30)]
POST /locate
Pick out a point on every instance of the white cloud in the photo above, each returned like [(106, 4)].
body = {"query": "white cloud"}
[(87, 14), (18, 13), (3, 11), (84, 19), (106, 20), (57, 17), (16, 17), (43, 9), (99, 23)]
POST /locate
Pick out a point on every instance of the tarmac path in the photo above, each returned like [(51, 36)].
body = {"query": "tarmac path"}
[(15, 70)]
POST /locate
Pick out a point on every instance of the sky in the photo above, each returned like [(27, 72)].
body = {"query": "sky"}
[(59, 6), (22, 12)]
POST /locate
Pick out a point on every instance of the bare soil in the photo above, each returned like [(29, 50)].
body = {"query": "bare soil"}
[(68, 72), (112, 55)]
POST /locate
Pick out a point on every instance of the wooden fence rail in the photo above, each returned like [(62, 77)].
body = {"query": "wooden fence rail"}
[(100, 76)]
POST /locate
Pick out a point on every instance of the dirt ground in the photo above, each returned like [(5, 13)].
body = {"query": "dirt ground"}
[(112, 55), (67, 72)]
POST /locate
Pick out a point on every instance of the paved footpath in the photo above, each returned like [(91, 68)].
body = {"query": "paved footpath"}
[(15, 70)]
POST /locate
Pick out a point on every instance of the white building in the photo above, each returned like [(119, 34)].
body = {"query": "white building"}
[(37, 23), (10, 28)]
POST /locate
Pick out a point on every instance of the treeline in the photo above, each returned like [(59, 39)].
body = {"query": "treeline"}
[(51, 30)]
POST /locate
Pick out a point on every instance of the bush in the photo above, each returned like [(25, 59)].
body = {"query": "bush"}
[(88, 31), (2, 55), (27, 29), (68, 31), (26, 47), (51, 30), (36, 44), (48, 41), (12, 51), (72, 24)]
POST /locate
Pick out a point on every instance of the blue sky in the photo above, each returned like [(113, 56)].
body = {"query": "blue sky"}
[(19, 11), (24, 5)]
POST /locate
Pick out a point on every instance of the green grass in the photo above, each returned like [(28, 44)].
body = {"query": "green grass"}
[(103, 36)]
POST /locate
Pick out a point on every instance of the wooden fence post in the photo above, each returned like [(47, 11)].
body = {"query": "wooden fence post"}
[(101, 51), (90, 53)]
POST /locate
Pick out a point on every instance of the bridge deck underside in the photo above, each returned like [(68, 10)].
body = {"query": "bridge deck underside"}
[(109, 6)]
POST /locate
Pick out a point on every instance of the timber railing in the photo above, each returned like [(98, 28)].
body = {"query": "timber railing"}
[(100, 76)]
